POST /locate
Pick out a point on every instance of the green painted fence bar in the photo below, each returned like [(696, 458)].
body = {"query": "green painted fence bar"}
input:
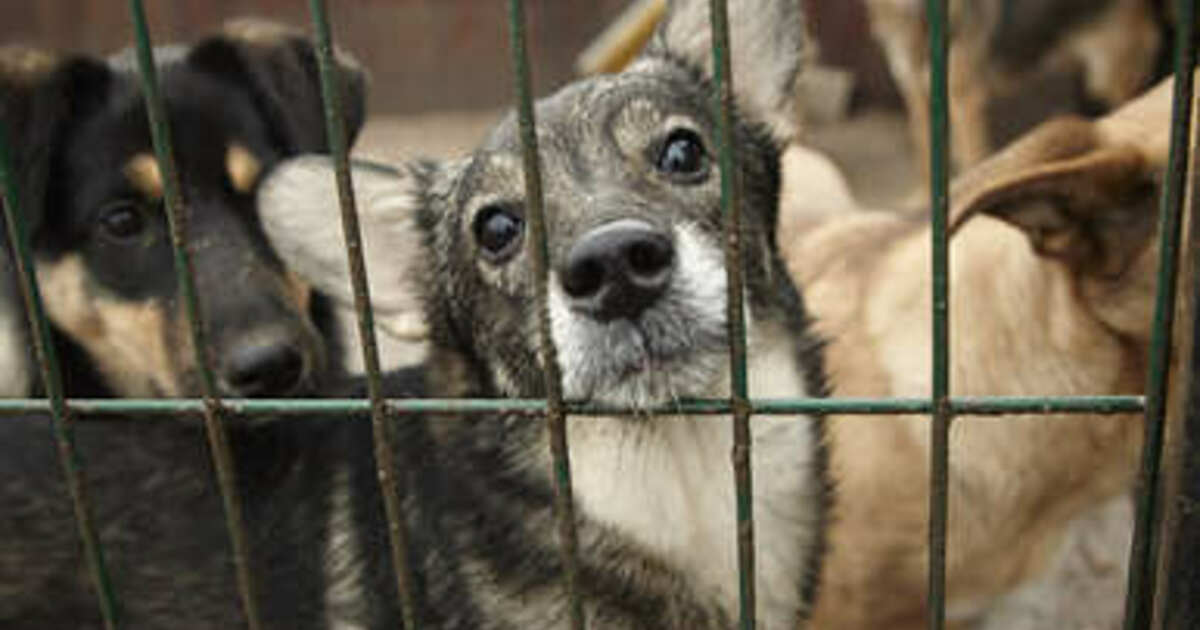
[(60, 413), (1177, 606), (981, 406), (383, 434), (564, 508), (218, 437), (1139, 602), (939, 169), (731, 203)]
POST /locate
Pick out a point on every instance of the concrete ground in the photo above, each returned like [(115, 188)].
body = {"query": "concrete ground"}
[(435, 135)]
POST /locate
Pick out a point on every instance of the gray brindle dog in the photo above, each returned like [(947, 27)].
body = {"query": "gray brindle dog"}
[(637, 299)]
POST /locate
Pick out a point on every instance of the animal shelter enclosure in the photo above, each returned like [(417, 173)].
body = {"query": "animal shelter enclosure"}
[(1156, 573)]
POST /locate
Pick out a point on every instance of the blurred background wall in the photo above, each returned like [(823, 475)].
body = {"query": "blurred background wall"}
[(423, 54)]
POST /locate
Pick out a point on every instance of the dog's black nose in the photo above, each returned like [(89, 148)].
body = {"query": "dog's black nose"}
[(618, 270), (264, 369)]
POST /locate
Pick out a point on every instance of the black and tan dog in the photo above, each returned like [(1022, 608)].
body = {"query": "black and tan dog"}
[(238, 102)]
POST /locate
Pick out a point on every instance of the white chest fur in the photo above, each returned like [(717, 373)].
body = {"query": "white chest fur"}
[(668, 483)]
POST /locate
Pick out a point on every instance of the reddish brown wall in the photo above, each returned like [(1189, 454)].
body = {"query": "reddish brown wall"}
[(423, 54)]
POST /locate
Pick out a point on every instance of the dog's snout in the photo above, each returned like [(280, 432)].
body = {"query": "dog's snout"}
[(268, 368), (618, 270)]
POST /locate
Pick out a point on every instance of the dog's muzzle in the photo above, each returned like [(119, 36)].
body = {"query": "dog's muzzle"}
[(265, 363)]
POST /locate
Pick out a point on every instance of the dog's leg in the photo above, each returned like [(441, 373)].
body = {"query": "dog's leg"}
[(1118, 51), (901, 33), (969, 97)]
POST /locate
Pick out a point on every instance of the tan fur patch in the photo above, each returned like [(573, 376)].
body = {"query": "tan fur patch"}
[(20, 63), (127, 340), (264, 35), (298, 290), (259, 31), (144, 174), (242, 167)]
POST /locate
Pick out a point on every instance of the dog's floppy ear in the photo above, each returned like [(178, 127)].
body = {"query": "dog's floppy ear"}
[(277, 66), (39, 95), (767, 38), (1078, 199), (299, 209)]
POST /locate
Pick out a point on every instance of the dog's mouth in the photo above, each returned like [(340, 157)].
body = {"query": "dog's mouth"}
[(645, 363)]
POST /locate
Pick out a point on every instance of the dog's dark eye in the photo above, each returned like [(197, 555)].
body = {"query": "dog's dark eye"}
[(122, 220), (682, 154), (498, 231)]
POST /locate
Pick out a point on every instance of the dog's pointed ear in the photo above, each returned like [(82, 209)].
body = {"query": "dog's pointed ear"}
[(299, 207), (768, 42), (1085, 202), (277, 66)]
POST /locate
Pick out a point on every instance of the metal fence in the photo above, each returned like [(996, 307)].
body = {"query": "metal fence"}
[(940, 405)]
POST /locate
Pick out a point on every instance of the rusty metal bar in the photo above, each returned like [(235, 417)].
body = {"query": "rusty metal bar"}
[(731, 202), (965, 406), (555, 412), (384, 438), (215, 429)]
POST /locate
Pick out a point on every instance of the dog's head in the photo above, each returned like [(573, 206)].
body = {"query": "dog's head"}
[(637, 279), (238, 103), (1085, 193)]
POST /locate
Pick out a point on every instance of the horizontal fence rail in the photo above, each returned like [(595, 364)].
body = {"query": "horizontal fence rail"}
[(970, 406), (383, 412)]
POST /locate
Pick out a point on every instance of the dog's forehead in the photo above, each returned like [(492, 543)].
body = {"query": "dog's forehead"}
[(588, 107), (586, 133), (209, 142)]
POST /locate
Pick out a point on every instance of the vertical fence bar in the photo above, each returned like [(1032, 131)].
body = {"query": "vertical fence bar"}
[(731, 203), (61, 419), (215, 429), (942, 412), (1177, 606), (555, 413), (1141, 584), (384, 438)]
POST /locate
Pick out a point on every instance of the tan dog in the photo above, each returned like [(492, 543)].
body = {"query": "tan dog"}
[(998, 45), (1053, 262)]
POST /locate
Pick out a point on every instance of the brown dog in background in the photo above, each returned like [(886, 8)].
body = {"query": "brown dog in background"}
[(1000, 46), (1052, 269)]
